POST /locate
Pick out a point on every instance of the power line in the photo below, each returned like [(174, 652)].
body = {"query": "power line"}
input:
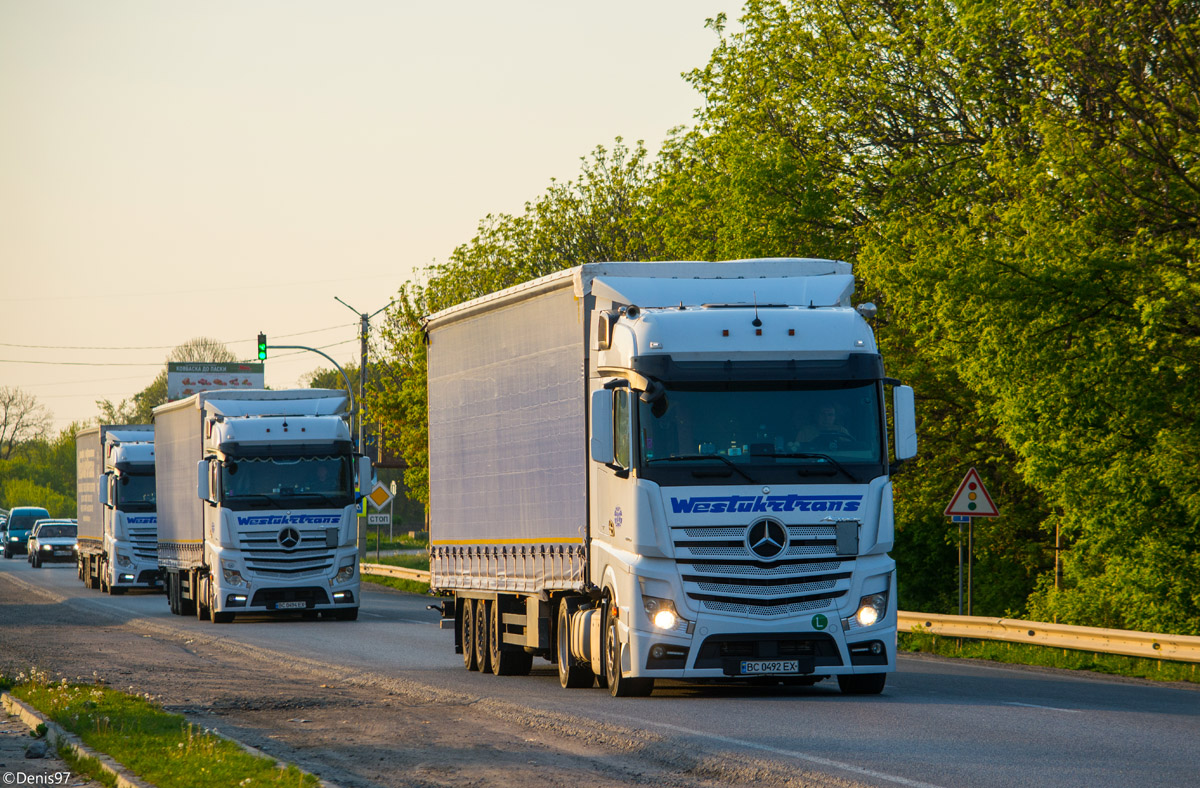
[(166, 347)]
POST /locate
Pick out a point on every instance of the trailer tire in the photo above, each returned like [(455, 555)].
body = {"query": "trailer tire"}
[(572, 673), (862, 683), (618, 685), (483, 653), (507, 660), (467, 631)]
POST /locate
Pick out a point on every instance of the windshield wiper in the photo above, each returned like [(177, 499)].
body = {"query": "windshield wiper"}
[(240, 497), (812, 456), (332, 500), (693, 457)]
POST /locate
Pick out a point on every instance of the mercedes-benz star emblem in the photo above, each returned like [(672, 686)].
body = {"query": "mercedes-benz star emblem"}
[(288, 538), (767, 539)]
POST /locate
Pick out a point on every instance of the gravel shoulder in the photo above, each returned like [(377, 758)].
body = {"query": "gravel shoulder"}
[(351, 728)]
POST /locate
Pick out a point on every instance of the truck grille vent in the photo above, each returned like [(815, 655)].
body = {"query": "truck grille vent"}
[(722, 575), (145, 543), (739, 551), (791, 589), (265, 556), (789, 608)]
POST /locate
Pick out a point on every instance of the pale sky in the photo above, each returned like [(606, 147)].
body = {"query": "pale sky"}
[(175, 169)]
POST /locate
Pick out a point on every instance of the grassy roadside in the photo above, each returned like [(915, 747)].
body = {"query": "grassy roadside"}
[(161, 748), (1045, 656), (409, 562)]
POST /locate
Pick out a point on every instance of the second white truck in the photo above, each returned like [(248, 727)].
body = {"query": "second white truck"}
[(115, 507), (257, 503)]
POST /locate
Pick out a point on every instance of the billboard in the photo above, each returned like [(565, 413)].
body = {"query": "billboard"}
[(185, 378)]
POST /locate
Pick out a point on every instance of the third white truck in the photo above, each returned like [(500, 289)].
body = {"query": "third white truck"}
[(644, 471), (115, 507)]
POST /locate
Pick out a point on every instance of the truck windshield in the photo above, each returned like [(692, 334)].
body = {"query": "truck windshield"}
[(135, 492), (318, 482), (765, 432)]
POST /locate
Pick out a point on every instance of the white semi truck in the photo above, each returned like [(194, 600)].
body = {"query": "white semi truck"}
[(257, 503), (115, 507), (674, 470)]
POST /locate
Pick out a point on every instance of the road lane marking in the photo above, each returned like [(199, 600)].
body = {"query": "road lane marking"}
[(801, 756), (1035, 706)]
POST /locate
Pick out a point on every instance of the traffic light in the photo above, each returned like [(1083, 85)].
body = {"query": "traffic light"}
[(262, 347)]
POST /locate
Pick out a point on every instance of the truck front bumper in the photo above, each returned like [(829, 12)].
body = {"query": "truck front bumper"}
[(820, 642)]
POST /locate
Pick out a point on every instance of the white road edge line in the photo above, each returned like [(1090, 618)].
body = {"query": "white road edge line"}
[(801, 756), (1035, 706)]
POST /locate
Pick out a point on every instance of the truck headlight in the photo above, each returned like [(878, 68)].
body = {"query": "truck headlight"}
[(871, 608), (124, 560), (345, 573), (231, 574), (661, 612)]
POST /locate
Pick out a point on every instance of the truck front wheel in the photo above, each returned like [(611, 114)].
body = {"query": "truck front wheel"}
[(862, 683), (621, 686)]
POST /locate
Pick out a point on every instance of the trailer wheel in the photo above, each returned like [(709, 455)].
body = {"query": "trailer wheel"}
[(862, 683), (619, 685), (572, 673), (467, 626), (507, 660), (483, 655)]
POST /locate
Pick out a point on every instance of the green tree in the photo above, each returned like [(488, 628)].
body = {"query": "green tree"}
[(139, 409), (603, 215)]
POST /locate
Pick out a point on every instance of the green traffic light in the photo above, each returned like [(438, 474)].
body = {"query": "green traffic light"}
[(262, 347)]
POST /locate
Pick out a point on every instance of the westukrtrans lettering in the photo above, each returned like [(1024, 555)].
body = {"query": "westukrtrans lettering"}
[(766, 503)]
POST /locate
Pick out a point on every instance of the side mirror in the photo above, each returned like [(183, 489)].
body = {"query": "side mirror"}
[(602, 426), (202, 490), (905, 415), (365, 472), (102, 489)]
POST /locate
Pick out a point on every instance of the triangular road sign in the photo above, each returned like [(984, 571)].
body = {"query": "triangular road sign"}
[(972, 499)]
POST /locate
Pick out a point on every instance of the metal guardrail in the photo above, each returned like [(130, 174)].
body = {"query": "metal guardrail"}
[(1151, 645), (387, 570)]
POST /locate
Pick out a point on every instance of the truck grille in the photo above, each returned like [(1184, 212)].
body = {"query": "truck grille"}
[(722, 575), (264, 555), (145, 543)]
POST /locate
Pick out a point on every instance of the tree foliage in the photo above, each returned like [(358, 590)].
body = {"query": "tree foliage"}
[(1018, 183), (139, 409), (22, 419)]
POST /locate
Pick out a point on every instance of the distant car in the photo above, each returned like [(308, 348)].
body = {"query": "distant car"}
[(52, 541), (16, 530)]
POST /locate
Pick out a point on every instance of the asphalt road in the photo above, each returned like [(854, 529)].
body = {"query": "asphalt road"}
[(938, 723)]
